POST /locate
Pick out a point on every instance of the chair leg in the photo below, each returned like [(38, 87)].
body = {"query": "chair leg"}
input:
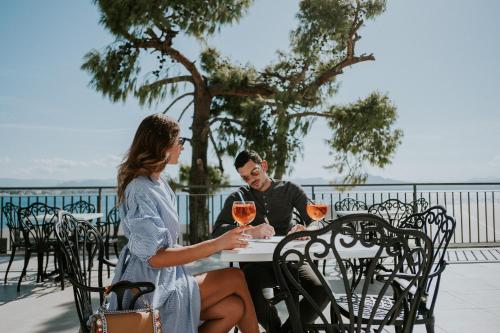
[(106, 254), (41, 271), (46, 262), (58, 263), (115, 247), (10, 263), (429, 327), (27, 256)]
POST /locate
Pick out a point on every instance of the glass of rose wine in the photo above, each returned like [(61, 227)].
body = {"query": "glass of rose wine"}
[(244, 212), (316, 210)]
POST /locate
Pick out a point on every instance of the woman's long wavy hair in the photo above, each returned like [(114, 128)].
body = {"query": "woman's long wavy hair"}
[(148, 152)]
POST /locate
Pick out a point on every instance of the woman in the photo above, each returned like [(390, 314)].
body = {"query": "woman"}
[(220, 299)]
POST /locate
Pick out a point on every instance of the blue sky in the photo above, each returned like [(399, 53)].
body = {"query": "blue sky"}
[(438, 61)]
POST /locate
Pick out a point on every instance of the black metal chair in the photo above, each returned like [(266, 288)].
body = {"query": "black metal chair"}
[(392, 210), (420, 205), (80, 245), (369, 305), (440, 228), (16, 238), (109, 230), (350, 204), (37, 225), (80, 206)]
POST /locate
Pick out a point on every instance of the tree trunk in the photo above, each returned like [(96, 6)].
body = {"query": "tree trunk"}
[(281, 150), (198, 175)]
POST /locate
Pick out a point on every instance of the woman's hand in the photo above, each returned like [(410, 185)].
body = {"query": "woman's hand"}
[(232, 239)]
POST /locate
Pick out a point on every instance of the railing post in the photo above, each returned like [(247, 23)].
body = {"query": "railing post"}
[(1, 224), (99, 199), (415, 208), (312, 193)]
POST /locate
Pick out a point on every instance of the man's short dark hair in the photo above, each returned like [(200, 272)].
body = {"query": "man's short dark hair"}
[(245, 156)]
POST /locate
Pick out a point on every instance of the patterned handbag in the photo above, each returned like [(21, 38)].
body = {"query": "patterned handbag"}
[(144, 320)]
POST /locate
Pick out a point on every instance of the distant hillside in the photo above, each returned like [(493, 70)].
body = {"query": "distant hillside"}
[(11, 182), (321, 181)]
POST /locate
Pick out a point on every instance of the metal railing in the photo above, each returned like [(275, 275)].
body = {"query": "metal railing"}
[(475, 206)]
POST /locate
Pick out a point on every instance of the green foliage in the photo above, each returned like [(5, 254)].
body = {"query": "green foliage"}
[(114, 71), (269, 110), (194, 18), (362, 133), (302, 80), (215, 176)]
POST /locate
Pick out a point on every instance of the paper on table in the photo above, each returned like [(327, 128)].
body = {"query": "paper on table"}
[(274, 239)]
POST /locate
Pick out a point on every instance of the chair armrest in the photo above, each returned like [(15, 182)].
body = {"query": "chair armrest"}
[(88, 288), (440, 270), (109, 263), (274, 295)]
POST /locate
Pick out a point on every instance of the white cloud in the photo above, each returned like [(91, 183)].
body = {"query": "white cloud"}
[(495, 161), (62, 166), (5, 160), (63, 129)]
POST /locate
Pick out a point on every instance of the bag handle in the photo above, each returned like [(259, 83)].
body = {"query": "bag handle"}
[(137, 288)]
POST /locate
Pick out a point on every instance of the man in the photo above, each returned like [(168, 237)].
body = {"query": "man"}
[(275, 201)]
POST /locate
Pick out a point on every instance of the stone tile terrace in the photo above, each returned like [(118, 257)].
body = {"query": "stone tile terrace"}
[(469, 299)]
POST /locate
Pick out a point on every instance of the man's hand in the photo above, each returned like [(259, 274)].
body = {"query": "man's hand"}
[(263, 230), (297, 228)]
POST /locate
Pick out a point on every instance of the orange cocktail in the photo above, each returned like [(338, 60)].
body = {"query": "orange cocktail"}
[(316, 211), (244, 212)]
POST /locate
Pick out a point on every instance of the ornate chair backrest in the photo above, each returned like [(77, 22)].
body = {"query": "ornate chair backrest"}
[(114, 220), (350, 204), (10, 211), (80, 244), (348, 308), (80, 206), (109, 227), (420, 205), (440, 228), (392, 210), (37, 223)]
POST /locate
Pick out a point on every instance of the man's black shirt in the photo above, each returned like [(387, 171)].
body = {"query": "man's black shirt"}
[(277, 203)]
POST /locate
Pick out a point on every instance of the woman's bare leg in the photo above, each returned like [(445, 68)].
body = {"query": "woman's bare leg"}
[(222, 316), (219, 284)]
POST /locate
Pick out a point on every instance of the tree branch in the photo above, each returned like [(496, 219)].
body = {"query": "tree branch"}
[(249, 91), (310, 113), (188, 65), (184, 110), (338, 69), (176, 100), (221, 119), (165, 46), (217, 152), (349, 59), (170, 80)]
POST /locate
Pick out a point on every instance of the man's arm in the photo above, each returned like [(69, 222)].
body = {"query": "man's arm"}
[(225, 220)]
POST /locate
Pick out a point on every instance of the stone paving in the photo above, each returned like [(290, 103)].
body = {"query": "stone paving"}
[(469, 300)]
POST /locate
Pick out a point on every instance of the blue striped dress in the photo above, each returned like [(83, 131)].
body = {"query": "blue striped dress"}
[(149, 220)]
